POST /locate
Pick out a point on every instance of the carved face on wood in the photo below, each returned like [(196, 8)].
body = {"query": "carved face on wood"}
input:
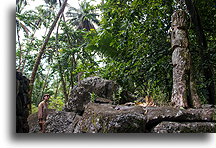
[(179, 19), (179, 38)]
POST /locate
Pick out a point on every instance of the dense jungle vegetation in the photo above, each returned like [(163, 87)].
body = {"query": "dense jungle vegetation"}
[(123, 40)]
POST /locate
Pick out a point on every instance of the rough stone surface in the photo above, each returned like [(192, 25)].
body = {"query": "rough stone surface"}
[(170, 113), (160, 114), (22, 103), (80, 95), (185, 127), (78, 98), (61, 122), (33, 121), (102, 101), (208, 106), (101, 87), (106, 118)]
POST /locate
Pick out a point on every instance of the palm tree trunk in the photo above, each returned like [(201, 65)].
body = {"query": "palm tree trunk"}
[(42, 50)]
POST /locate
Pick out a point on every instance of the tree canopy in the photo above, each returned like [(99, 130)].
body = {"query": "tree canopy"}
[(124, 40)]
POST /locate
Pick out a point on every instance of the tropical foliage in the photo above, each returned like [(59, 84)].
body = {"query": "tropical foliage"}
[(83, 17), (123, 40)]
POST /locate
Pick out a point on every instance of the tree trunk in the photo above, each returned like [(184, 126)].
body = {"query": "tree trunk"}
[(194, 98), (79, 78), (71, 76), (63, 82), (20, 57), (42, 50), (184, 92), (201, 39), (57, 88), (45, 83), (215, 59)]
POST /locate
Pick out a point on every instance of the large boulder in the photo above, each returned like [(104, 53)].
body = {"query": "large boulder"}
[(107, 118), (78, 98), (156, 115), (101, 87), (57, 122), (185, 127), (23, 103), (61, 122), (33, 121), (81, 94)]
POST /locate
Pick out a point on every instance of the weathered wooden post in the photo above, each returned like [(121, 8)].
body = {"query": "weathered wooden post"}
[(184, 92)]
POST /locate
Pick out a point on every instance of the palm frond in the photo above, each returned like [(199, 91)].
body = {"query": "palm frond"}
[(84, 17)]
